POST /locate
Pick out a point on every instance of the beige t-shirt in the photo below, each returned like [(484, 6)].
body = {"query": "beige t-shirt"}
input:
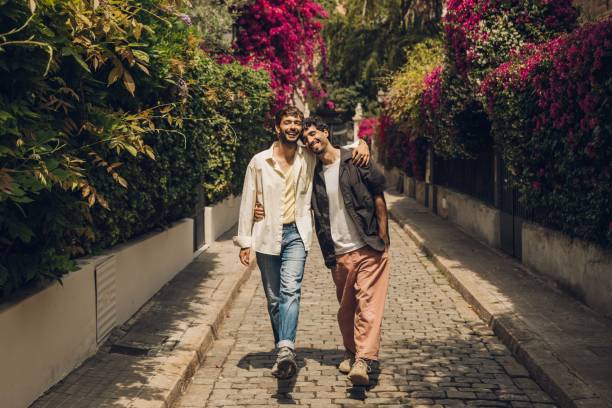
[(289, 197)]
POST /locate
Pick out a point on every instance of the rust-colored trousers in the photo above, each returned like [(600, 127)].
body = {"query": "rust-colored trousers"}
[(362, 279)]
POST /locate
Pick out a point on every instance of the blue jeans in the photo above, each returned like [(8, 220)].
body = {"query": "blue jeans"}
[(281, 276)]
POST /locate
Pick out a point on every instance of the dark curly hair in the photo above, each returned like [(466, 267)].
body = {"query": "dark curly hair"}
[(317, 122), (288, 110)]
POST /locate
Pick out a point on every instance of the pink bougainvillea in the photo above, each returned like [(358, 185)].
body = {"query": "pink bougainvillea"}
[(550, 110), (368, 129), (472, 26), (562, 74), (431, 97), (284, 38)]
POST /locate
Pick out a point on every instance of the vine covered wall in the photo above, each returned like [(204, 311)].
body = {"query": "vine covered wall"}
[(111, 118), (527, 74), (551, 114)]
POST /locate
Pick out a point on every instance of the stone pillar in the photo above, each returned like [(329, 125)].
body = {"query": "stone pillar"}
[(431, 189), (357, 121), (497, 181)]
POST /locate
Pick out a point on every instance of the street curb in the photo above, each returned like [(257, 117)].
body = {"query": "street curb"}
[(547, 369), (177, 370)]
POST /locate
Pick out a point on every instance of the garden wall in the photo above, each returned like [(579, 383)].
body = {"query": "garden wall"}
[(583, 269), (46, 334), (220, 217), (579, 267), (474, 217)]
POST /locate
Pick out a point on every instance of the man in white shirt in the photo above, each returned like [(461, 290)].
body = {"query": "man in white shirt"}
[(280, 178)]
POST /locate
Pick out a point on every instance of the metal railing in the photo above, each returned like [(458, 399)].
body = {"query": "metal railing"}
[(475, 177)]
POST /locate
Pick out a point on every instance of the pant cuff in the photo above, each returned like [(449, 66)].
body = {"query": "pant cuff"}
[(367, 357), (285, 343)]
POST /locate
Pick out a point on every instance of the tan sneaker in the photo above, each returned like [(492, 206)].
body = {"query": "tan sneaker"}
[(359, 372), (347, 362)]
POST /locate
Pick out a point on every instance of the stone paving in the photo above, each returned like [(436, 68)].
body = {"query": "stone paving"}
[(435, 352)]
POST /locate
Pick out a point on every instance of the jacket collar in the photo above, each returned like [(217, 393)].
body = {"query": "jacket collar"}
[(346, 154)]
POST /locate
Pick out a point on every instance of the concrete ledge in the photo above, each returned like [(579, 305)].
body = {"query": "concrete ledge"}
[(548, 332), (421, 192), (409, 187), (394, 178), (582, 268), (220, 217), (145, 265), (476, 218), (47, 334), (174, 330)]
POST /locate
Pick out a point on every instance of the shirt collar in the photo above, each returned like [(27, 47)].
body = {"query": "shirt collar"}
[(269, 155)]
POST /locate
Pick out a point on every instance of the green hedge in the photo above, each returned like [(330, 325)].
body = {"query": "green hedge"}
[(111, 118)]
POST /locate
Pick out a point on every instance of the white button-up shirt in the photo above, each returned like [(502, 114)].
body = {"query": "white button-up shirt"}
[(264, 183)]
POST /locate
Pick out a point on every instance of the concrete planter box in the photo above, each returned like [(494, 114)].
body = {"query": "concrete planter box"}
[(580, 267), (410, 186), (394, 179), (220, 217), (421, 192), (474, 217), (46, 334)]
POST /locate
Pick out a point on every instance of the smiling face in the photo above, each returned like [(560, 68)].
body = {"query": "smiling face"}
[(289, 129), (316, 140)]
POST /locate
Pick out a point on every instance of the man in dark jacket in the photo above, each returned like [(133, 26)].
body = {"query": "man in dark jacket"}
[(352, 227)]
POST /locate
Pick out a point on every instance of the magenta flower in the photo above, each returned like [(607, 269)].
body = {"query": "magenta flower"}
[(284, 38)]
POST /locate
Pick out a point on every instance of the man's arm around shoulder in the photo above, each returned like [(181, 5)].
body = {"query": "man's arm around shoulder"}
[(373, 178), (375, 182)]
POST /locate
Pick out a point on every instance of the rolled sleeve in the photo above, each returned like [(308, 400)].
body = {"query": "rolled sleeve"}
[(242, 241)]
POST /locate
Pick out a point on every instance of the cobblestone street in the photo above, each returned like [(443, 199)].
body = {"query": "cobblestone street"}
[(435, 350)]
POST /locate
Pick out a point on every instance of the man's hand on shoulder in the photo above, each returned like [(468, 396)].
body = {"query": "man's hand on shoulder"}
[(361, 154)]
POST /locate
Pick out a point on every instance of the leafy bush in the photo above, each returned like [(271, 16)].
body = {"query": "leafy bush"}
[(405, 140), (453, 116), (367, 41), (480, 35), (407, 85), (111, 117), (551, 113)]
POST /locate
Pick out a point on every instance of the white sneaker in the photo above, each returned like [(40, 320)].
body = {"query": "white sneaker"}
[(347, 362), (287, 367)]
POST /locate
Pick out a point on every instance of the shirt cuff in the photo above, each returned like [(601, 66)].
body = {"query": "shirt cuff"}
[(242, 241)]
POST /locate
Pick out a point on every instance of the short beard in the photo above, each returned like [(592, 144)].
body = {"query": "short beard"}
[(282, 137)]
